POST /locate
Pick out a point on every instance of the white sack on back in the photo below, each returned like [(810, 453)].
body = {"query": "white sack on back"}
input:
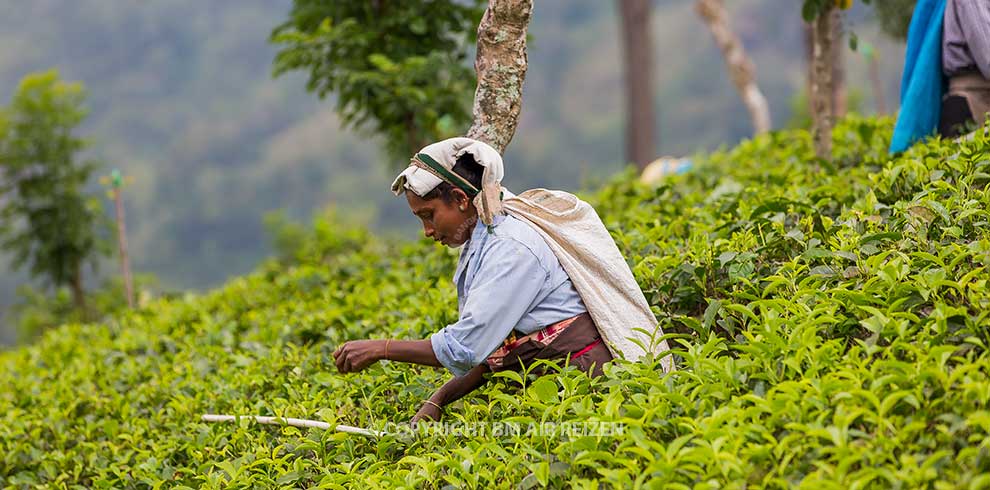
[(595, 265)]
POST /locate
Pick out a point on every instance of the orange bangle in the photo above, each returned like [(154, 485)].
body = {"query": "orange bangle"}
[(386, 349), (431, 402)]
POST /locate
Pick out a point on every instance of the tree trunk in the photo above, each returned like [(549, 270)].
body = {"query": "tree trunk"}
[(637, 51), (78, 295), (822, 108), (740, 66), (501, 66)]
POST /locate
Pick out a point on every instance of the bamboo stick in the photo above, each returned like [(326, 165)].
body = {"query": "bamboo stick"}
[(117, 181), (314, 424)]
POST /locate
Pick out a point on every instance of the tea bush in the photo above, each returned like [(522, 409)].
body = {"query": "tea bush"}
[(830, 320)]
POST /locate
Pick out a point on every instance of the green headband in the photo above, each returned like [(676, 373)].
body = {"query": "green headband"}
[(445, 175)]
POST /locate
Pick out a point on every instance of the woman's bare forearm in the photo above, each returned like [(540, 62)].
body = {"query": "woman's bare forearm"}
[(456, 388), (414, 351), (450, 392)]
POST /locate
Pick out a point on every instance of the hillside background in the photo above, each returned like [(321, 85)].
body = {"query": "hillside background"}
[(182, 99)]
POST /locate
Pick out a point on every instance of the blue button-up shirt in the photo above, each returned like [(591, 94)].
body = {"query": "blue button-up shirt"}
[(507, 279)]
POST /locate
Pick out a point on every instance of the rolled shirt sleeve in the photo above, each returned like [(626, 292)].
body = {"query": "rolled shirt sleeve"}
[(506, 285)]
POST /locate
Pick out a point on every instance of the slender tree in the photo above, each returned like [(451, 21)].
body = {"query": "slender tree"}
[(825, 18), (47, 220), (116, 182), (822, 102), (637, 54), (741, 68)]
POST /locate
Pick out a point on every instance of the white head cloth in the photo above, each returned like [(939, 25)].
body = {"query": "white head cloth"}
[(421, 181)]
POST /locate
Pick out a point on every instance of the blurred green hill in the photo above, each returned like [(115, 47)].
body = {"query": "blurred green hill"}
[(182, 98)]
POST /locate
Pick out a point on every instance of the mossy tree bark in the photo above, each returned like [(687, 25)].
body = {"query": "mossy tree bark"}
[(501, 65), (822, 71)]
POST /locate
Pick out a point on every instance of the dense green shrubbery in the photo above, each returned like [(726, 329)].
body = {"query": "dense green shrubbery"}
[(831, 320)]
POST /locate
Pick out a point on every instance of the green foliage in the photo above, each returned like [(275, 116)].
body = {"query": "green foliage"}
[(894, 16), (47, 220), (830, 321), (811, 9), (397, 68), (330, 232), (39, 310), (195, 114)]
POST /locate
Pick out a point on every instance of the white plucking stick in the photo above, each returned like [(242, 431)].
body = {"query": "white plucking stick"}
[(293, 422)]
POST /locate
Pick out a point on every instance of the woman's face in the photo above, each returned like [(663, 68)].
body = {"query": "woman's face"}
[(448, 223)]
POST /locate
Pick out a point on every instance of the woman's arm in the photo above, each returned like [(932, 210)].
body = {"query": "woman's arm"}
[(356, 355), (450, 392), (508, 281)]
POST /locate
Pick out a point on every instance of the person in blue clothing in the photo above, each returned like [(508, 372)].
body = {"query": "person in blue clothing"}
[(945, 87), (516, 303), (966, 65)]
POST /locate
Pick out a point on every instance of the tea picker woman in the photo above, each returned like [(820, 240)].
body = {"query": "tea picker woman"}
[(945, 86), (538, 277)]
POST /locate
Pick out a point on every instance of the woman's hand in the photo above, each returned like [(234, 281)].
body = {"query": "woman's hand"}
[(356, 355), (428, 412)]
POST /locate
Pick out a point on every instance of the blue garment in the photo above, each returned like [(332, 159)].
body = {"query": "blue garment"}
[(922, 84), (508, 279)]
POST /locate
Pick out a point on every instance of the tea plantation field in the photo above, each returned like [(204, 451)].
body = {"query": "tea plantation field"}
[(831, 322)]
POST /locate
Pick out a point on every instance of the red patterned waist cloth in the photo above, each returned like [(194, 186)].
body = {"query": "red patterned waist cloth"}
[(574, 336)]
